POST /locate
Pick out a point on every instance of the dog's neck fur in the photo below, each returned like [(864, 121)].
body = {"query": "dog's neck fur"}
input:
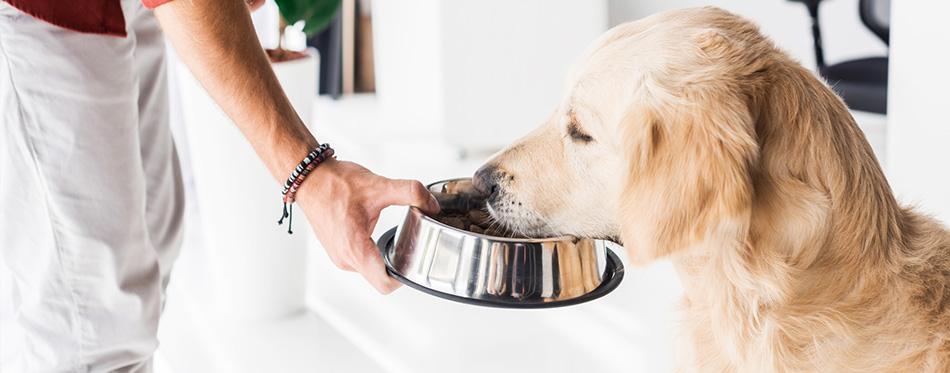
[(812, 149), (798, 279)]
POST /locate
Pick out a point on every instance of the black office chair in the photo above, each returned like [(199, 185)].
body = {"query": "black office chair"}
[(862, 83)]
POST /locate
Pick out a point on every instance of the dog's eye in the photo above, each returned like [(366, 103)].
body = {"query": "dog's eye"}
[(575, 132)]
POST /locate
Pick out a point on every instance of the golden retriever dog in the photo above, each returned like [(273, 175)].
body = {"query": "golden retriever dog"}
[(688, 135)]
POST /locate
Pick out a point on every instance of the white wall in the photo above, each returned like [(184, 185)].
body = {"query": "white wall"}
[(441, 68), (480, 73), (919, 127), (786, 22)]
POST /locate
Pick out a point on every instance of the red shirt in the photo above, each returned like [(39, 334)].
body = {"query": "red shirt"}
[(90, 16)]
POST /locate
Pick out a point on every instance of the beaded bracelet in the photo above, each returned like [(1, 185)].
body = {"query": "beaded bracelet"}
[(296, 178), (303, 164)]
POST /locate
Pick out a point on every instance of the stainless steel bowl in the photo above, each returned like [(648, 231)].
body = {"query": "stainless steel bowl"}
[(495, 271)]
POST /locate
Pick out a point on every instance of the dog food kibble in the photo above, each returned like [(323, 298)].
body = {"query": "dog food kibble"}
[(454, 222), (479, 217), (462, 209), (475, 221)]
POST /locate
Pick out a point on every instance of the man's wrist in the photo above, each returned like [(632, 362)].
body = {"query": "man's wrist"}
[(320, 180), (303, 169), (297, 179)]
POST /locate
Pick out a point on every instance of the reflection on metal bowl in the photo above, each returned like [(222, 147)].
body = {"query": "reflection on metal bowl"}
[(495, 271)]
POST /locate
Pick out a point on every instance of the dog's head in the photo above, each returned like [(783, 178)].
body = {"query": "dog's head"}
[(652, 142)]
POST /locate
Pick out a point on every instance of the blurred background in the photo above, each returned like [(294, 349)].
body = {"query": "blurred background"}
[(428, 90)]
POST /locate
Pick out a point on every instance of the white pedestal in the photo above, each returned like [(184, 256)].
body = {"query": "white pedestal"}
[(257, 269)]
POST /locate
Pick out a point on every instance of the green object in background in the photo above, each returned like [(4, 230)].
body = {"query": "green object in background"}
[(316, 14)]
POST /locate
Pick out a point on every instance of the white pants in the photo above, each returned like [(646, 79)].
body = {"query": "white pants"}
[(91, 198)]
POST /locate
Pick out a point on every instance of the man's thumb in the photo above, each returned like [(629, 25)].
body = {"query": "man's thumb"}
[(412, 193)]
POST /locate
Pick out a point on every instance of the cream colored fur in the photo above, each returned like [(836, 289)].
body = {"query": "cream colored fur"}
[(712, 147)]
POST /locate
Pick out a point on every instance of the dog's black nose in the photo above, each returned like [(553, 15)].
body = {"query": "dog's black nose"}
[(486, 180)]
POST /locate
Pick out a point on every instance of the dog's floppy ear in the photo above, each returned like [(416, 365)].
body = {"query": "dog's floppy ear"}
[(688, 181)]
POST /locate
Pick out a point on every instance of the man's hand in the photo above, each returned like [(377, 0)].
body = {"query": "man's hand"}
[(342, 200)]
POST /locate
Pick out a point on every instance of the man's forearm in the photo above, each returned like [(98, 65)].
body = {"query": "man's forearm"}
[(342, 199), (217, 42)]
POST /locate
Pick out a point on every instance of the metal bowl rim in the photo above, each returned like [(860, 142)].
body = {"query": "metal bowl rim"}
[(504, 239)]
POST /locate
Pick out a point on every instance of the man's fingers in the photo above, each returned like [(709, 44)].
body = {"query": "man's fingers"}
[(371, 266), (339, 262), (409, 193)]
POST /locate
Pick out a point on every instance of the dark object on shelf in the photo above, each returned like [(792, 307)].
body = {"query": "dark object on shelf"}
[(862, 83), (330, 44)]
